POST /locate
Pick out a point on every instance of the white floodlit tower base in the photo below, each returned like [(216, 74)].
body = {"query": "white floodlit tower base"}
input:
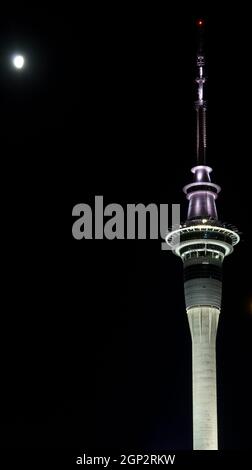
[(203, 323)]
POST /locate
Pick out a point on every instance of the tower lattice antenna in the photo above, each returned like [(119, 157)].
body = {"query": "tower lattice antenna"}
[(200, 103)]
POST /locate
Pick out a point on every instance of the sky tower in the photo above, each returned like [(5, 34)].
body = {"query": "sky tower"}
[(202, 242)]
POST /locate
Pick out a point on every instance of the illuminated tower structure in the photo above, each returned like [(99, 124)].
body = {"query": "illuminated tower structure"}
[(202, 243)]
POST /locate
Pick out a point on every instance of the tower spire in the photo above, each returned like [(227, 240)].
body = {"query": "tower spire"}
[(201, 193), (200, 103)]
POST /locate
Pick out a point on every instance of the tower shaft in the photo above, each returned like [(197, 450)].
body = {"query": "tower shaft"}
[(203, 289), (203, 323)]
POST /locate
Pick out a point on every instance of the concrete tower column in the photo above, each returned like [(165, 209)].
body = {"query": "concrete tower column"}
[(203, 323)]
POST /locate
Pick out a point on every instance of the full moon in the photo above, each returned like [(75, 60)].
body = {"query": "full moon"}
[(18, 61)]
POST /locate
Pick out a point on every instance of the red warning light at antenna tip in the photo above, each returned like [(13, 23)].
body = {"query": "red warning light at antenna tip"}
[(200, 22)]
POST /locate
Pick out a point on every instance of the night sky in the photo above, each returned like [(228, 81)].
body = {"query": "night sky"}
[(95, 343)]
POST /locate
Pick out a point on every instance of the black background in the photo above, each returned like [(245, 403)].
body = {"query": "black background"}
[(95, 345)]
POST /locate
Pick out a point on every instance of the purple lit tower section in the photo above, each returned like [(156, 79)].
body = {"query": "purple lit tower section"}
[(202, 243), (202, 194)]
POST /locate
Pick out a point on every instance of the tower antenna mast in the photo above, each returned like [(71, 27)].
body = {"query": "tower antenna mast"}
[(200, 103)]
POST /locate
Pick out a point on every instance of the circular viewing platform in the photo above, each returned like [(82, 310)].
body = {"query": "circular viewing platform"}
[(202, 236)]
